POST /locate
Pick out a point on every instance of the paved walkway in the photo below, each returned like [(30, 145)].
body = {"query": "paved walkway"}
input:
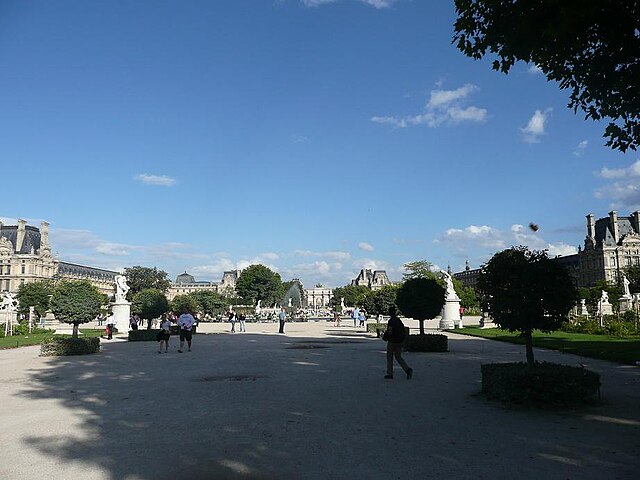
[(308, 405)]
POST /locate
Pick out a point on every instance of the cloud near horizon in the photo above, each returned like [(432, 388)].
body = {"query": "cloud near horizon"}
[(157, 180), (623, 188), (444, 107), (367, 247)]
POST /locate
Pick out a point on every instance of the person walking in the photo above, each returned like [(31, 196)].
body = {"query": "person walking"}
[(282, 316), (362, 318), (185, 324), (355, 315), (241, 318), (232, 319), (110, 327), (394, 336), (165, 333), (336, 319), (133, 322)]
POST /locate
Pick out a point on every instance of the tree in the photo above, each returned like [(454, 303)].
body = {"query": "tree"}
[(591, 48), (140, 278), (209, 302), (182, 303), (76, 302), (353, 296), (36, 295), (421, 298), (418, 269), (524, 291), (593, 294), (468, 297), (378, 302), (258, 282), (633, 275), (149, 303)]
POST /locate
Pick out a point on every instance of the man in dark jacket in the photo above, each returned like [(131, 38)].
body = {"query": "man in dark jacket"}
[(394, 335)]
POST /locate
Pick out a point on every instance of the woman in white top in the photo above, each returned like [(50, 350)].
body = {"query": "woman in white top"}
[(165, 333)]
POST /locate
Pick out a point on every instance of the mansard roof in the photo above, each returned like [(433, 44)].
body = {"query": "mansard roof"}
[(31, 237), (604, 230), (185, 278)]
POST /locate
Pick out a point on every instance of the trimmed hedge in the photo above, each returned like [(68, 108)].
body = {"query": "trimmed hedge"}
[(431, 342), (377, 328), (145, 335), (544, 384), (69, 346)]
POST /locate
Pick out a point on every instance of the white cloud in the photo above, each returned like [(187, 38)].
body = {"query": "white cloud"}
[(158, 180), (625, 190), (536, 126), (316, 3), (374, 3), (484, 236), (300, 139), (443, 107), (561, 249), (580, 149), (367, 247), (535, 70)]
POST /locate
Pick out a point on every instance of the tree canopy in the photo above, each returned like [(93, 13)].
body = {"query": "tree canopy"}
[(525, 290), (140, 278), (353, 295), (418, 269), (258, 282), (209, 302), (149, 303), (591, 48), (182, 303), (76, 302), (633, 275), (377, 302), (35, 295), (421, 298)]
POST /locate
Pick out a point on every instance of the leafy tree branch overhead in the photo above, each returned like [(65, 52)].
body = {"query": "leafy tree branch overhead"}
[(592, 48)]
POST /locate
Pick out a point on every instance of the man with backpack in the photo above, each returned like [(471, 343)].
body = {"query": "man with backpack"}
[(394, 336)]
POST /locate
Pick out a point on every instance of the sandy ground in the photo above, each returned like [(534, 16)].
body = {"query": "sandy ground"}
[(311, 404)]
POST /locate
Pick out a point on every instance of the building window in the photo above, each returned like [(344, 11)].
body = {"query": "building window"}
[(23, 267)]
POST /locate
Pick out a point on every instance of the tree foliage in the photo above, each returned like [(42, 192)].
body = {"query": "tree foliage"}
[(377, 302), (258, 282), (353, 295), (182, 303), (591, 48), (36, 295), (468, 296), (418, 269), (141, 278), (525, 290), (149, 303), (593, 294), (633, 275), (76, 302), (421, 298), (209, 302)]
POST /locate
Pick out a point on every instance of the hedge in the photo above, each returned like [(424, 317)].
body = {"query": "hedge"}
[(544, 384), (431, 342), (145, 335), (377, 328), (69, 346)]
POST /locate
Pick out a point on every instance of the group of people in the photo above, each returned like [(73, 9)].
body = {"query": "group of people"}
[(234, 317), (185, 321)]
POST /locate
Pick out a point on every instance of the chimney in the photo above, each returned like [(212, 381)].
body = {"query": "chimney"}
[(591, 226), (44, 234), (635, 221), (613, 220), (20, 235)]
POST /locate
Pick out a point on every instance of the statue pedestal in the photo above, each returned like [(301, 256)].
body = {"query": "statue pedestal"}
[(121, 315), (450, 314), (625, 303), (604, 308)]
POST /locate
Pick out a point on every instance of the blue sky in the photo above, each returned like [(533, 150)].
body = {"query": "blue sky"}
[(316, 137)]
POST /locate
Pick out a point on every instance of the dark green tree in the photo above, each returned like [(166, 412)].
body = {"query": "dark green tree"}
[(149, 303), (36, 295), (76, 302), (524, 291), (418, 269), (593, 294), (209, 303), (182, 303), (468, 297), (353, 296), (140, 278), (633, 275), (377, 302), (258, 282), (421, 298), (592, 48)]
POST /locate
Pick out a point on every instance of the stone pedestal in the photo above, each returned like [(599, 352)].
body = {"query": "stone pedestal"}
[(13, 320), (626, 303), (50, 321), (121, 314), (582, 309), (450, 314), (604, 308), (486, 321)]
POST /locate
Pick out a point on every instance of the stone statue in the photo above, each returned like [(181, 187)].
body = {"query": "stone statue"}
[(8, 301), (289, 302), (342, 305), (451, 291), (121, 288), (625, 284), (258, 306), (605, 297)]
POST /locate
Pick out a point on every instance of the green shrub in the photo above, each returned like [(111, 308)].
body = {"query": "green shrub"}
[(583, 325), (620, 328), (544, 384), (377, 328), (432, 342), (143, 335), (60, 346), (23, 329)]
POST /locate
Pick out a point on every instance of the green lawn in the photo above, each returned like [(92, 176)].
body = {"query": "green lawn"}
[(37, 338), (617, 349)]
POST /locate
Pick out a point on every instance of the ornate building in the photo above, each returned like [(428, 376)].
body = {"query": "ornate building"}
[(186, 283), (317, 297), (25, 257), (469, 276), (374, 280)]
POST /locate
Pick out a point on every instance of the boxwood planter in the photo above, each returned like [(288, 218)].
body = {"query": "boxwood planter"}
[(431, 342), (145, 335), (69, 346)]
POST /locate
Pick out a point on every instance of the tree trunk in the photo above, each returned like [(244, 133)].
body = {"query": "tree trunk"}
[(421, 327), (75, 330), (529, 344)]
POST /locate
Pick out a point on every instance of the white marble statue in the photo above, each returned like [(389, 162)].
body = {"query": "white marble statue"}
[(258, 306), (625, 284), (605, 297), (8, 301), (342, 305), (121, 288), (451, 291), (289, 302)]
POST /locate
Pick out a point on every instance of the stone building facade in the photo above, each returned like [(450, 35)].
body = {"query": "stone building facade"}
[(469, 276), (25, 257), (186, 283), (317, 297), (375, 279)]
